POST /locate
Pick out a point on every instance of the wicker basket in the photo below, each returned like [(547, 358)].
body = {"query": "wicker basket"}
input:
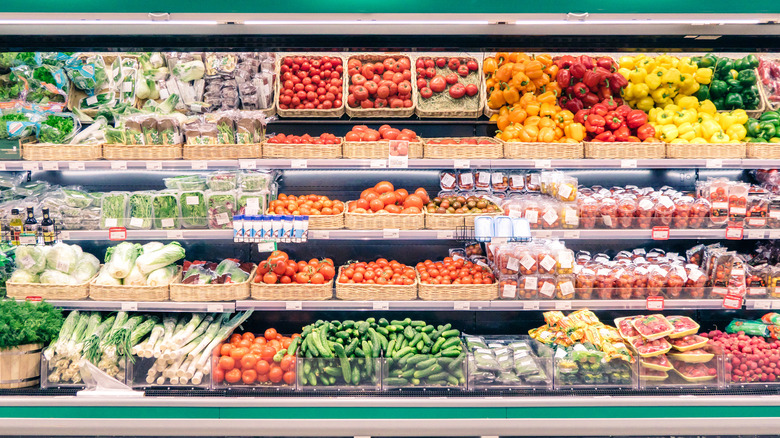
[(327, 222), (375, 292), (467, 151), (453, 113), (132, 293), (21, 291), (378, 149), (291, 292), (212, 292), (382, 112), (303, 151), (222, 151), (458, 292), (382, 221), (142, 152), (706, 150), (444, 221), (558, 151), (333, 112), (627, 150), (766, 151), (61, 152)]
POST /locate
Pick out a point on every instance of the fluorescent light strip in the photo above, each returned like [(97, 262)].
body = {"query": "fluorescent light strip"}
[(649, 21), (108, 22), (359, 22)]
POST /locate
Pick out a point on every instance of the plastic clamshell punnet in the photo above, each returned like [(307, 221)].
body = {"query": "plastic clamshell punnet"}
[(593, 371), (64, 372), (689, 342), (658, 363), (483, 228), (653, 327)]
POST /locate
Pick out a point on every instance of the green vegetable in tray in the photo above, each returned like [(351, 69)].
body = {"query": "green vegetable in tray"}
[(166, 212), (113, 208), (193, 210), (77, 198), (140, 211), (56, 129), (221, 208), (11, 87), (14, 117)]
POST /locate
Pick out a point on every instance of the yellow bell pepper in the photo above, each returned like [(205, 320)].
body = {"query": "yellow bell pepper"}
[(740, 116), (546, 135), (489, 65), (668, 133), (736, 132), (626, 62), (698, 140), (665, 118), (672, 76), (725, 120), (652, 115), (719, 137), (628, 91), (684, 116), (504, 111), (646, 63), (494, 117), (733, 73), (706, 106), (645, 104), (548, 110), (563, 118), (660, 94), (709, 128), (575, 131), (690, 89), (703, 76), (664, 61), (637, 75), (641, 90), (685, 131), (697, 129), (686, 66), (496, 99), (671, 107), (679, 140), (705, 116), (687, 102), (624, 72), (653, 79)]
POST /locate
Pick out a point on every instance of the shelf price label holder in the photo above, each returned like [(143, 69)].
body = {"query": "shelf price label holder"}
[(733, 301), (117, 233), (655, 303), (660, 233)]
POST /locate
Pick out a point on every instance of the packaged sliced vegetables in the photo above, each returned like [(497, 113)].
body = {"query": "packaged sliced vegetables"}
[(77, 198), (166, 211), (58, 128), (194, 212), (695, 372), (140, 211), (88, 73), (221, 208), (250, 127), (113, 206)]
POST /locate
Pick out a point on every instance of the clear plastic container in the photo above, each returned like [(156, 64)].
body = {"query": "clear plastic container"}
[(166, 211), (113, 210), (586, 280), (626, 207), (439, 372), (663, 212), (140, 211), (565, 287), (570, 215), (328, 374), (757, 211), (682, 212), (448, 180), (608, 212), (546, 287), (194, 212), (527, 287), (221, 208), (589, 212), (145, 373)]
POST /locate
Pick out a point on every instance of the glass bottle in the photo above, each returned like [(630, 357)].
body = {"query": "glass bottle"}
[(16, 226), (47, 228)]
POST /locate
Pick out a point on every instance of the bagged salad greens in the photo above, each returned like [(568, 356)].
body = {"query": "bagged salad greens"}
[(140, 211), (166, 211), (194, 213), (76, 197), (252, 203), (250, 127), (113, 206), (256, 180), (185, 182), (227, 271), (222, 181), (58, 128), (221, 208), (88, 73)]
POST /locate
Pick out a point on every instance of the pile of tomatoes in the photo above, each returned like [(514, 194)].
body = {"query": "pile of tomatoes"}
[(384, 198), (307, 205), (385, 132), (381, 271), (304, 139), (250, 359), (386, 84), (451, 271), (311, 82), (279, 269), (455, 67)]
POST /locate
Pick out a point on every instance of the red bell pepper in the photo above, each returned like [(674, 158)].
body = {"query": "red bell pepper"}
[(622, 133), (589, 100), (565, 61), (645, 131), (636, 118), (581, 115), (563, 78), (574, 105), (595, 123), (578, 70), (580, 89), (586, 62), (605, 136), (610, 103), (605, 63), (605, 93), (614, 121), (618, 101), (617, 82), (604, 76), (600, 109), (591, 79), (623, 110)]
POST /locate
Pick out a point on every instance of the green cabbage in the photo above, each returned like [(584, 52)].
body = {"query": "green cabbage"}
[(53, 276), (121, 258), (22, 276), (86, 268), (31, 258), (167, 255), (62, 257)]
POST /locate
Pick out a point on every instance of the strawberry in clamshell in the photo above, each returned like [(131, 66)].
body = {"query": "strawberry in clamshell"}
[(658, 363), (682, 326), (650, 374), (689, 342), (652, 348), (696, 372), (653, 327)]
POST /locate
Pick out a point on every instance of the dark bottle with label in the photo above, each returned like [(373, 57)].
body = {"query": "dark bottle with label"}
[(30, 229), (47, 228), (16, 226)]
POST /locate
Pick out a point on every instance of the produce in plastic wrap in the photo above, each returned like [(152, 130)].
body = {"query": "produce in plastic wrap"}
[(166, 211), (221, 208), (113, 207), (194, 212), (140, 211)]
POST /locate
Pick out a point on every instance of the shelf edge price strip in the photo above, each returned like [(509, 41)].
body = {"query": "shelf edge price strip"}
[(117, 233), (731, 301), (655, 303), (660, 233)]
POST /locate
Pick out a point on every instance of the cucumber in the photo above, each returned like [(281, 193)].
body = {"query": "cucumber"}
[(437, 345), (355, 378), (417, 358), (291, 349), (445, 361), (409, 333), (382, 331), (390, 347), (402, 352), (450, 333), (342, 334), (451, 342), (416, 340), (452, 352), (421, 374), (439, 376), (350, 350), (441, 330), (427, 363), (417, 323), (348, 323), (427, 329), (394, 328), (383, 322), (371, 320), (332, 371), (456, 363), (453, 381), (396, 381), (408, 374), (359, 352)]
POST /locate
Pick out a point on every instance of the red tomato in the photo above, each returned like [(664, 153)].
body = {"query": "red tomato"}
[(439, 84), (226, 363), (249, 376), (262, 367), (233, 376), (457, 91)]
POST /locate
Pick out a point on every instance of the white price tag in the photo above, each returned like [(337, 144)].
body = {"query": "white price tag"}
[(571, 234), (153, 165), (215, 308), (78, 165), (660, 233), (542, 234), (762, 304), (378, 164), (192, 200), (499, 240), (628, 164), (222, 218), (391, 233), (200, 165), (129, 307), (461, 164), (462, 305), (293, 305), (299, 164), (266, 246), (64, 235), (774, 234), (119, 165), (655, 303), (247, 164), (530, 305), (174, 234), (2, 164), (29, 166), (92, 100), (319, 234), (732, 301), (754, 234), (734, 233), (398, 161), (775, 304), (562, 305), (50, 165), (542, 164), (381, 305), (714, 164), (136, 222), (445, 235)]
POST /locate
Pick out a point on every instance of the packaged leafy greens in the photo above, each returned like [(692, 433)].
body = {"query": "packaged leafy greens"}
[(185, 182), (88, 73), (222, 181), (221, 208), (58, 128), (140, 211), (113, 207), (193, 209), (31, 188), (77, 198), (166, 211), (252, 203)]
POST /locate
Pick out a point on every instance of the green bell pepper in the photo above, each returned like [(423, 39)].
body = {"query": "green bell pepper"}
[(740, 65), (750, 98), (734, 86), (752, 126), (747, 78), (720, 103), (734, 101), (718, 89), (703, 93), (753, 140), (766, 130), (723, 66), (751, 61), (708, 60), (771, 116)]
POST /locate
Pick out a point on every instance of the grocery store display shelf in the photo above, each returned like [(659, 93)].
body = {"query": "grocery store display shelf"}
[(390, 416), (348, 163), (144, 306), (394, 234)]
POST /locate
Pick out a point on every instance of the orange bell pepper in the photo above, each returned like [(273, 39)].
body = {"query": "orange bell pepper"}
[(504, 73), (534, 69), (490, 65), (569, 140), (546, 122), (529, 134), (501, 58), (496, 99), (546, 97), (511, 132), (575, 131), (520, 80), (551, 70), (517, 67), (511, 95), (522, 57), (532, 121), (502, 122), (554, 88), (541, 82), (558, 133), (533, 108), (517, 115), (546, 135), (527, 98), (545, 59), (549, 109), (562, 118)]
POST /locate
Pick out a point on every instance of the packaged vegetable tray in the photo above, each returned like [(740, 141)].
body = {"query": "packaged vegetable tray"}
[(113, 207), (497, 362), (221, 208), (140, 211), (652, 348), (693, 356), (166, 211), (660, 363), (626, 328), (194, 212), (696, 372), (653, 327), (653, 375)]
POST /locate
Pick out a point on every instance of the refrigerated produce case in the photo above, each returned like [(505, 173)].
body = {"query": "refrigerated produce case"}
[(576, 399)]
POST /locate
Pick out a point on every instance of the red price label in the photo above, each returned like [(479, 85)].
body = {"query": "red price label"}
[(117, 233), (731, 301), (33, 298), (655, 303), (660, 233), (734, 233)]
